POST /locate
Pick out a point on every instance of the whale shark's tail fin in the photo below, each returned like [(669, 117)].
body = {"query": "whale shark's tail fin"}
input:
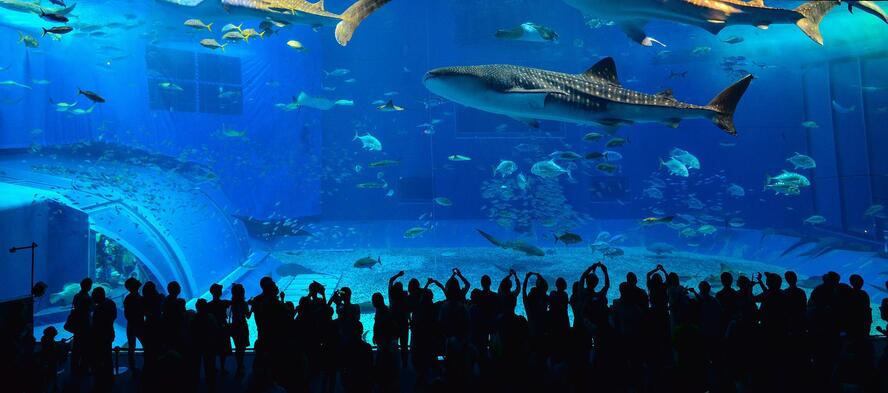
[(353, 16), (725, 103), (813, 12)]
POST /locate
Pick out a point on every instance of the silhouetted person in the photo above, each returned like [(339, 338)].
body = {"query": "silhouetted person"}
[(134, 312), (218, 307), (79, 323), (595, 301), (425, 340), (240, 333), (535, 304), (484, 310), (453, 314), (557, 318), (727, 299), (385, 336), (52, 354), (356, 359), (882, 366), (677, 297), (797, 357), (709, 318), (628, 319), (796, 302), (507, 298), (102, 337), (635, 294), (859, 311), (883, 313), (174, 318), (772, 312), (824, 327), (152, 335), (401, 313), (266, 309), (205, 333)]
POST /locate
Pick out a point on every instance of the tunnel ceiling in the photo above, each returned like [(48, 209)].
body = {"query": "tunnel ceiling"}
[(170, 214)]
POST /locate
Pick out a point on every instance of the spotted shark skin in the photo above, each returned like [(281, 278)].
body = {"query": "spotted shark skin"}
[(593, 97)]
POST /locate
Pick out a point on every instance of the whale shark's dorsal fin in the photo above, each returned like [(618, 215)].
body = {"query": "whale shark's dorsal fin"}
[(605, 69)]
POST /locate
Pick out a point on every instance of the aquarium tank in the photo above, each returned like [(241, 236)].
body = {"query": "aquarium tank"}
[(340, 142)]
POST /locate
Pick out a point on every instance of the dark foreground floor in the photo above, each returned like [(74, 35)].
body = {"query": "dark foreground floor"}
[(229, 382)]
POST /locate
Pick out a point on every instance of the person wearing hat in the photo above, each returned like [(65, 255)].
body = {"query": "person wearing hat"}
[(134, 312)]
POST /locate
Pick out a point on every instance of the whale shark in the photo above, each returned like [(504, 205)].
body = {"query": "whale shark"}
[(710, 15), (171, 13), (289, 11), (33, 7), (592, 97)]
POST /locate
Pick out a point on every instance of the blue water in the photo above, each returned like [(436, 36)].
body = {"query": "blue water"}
[(230, 146)]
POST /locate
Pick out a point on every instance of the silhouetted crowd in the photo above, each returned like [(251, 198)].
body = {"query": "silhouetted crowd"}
[(662, 337)]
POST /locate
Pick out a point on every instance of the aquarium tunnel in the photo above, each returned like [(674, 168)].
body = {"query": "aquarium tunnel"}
[(289, 155)]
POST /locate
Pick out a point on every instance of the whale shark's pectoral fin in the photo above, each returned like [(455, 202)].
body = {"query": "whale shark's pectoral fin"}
[(532, 98), (672, 123), (532, 123), (614, 122), (635, 30), (509, 34)]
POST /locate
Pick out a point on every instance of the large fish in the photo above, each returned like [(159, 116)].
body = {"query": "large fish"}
[(710, 15), (517, 245), (34, 7), (290, 11), (593, 97)]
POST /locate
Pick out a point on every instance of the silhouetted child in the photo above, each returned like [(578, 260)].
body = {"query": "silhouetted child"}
[(52, 354)]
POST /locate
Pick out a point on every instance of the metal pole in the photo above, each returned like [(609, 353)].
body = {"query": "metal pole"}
[(33, 248), (33, 258)]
